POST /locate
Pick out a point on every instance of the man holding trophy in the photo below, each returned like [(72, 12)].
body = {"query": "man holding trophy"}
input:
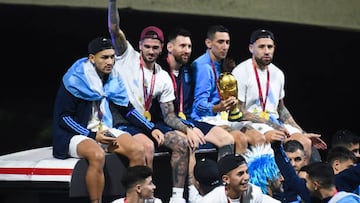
[(228, 88), (215, 95)]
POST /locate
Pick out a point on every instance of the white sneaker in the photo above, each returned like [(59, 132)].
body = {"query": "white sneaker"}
[(177, 200)]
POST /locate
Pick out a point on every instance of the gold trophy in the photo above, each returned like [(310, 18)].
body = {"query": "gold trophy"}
[(228, 87)]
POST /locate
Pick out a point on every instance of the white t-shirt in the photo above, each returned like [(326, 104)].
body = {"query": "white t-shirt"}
[(252, 195), (217, 195), (248, 91), (128, 66)]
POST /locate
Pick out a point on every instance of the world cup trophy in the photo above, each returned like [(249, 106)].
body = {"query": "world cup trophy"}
[(228, 87)]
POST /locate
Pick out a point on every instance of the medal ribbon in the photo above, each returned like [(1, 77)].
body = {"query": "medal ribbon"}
[(175, 86), (216, 79), (147, 97), (261, 98)]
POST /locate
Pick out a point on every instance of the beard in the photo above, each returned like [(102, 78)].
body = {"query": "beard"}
[(181, 59), (150, 58), (262, 63)]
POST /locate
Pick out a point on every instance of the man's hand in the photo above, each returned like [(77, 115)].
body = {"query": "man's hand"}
[(316, 141), (158, 136), (195, 137), (103, 137), (275, 135)]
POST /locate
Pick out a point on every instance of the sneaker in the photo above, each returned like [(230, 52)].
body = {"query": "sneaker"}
[(177, 200)]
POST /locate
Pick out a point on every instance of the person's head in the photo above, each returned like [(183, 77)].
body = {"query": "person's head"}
[(218, 42), (207, 176), (296, 154), (263, 169), (348, 139), (234, 173), (101, 54), (340, 158), (138, 179), (303, 172), (262, 47), (151, 43), (320, 179), (179, 45), (265, 174)]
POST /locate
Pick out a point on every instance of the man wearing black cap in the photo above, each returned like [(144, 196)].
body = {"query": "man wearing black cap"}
[(83, 124), (261, 90), (146, 81), (233, 170), (205, 184)]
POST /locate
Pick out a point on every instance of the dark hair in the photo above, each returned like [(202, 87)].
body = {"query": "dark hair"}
[(99, 44), (216, 28), (293, 145), (344, 138), (340, 153), (323, 173), (134, 175), (178, 32), (261, 33), (304, 168)]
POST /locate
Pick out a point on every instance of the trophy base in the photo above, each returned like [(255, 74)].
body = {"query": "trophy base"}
[(235, 115)]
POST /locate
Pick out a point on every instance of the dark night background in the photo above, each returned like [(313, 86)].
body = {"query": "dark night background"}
[(40, 43)]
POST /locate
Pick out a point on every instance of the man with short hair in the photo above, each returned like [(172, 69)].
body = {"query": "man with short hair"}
[(234, 173), (139, 186), (146, 81), (348, 139), (205, 184), (83, 122), (296, 154), (261, 92), (321, 183)]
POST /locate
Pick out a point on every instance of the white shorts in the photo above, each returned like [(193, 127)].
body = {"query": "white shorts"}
[(76, 139), (263, 128)]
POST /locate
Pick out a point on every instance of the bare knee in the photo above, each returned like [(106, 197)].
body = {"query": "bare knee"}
[(241, 141), (255, 137), (220, 137), (96, 159)]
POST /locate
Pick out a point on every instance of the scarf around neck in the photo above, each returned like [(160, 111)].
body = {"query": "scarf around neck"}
[(83, 82)]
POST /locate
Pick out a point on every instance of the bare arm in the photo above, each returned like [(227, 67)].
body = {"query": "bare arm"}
[(248, 116), (117, 35), (170, 118), (285, 116)]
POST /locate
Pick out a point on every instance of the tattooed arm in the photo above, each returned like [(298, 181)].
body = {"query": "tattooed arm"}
[(193, 135), (117, 35), (248, 116), (170, 118), (285, 116)]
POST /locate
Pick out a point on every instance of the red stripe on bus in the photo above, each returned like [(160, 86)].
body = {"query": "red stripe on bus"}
[(36, 171)]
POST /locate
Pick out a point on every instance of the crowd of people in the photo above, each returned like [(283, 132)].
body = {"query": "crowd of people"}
[(131, 101)]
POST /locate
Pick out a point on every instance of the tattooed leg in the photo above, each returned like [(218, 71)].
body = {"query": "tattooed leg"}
[(179, 157)]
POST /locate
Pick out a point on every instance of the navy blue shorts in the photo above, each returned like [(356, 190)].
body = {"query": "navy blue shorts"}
[(203, 126)]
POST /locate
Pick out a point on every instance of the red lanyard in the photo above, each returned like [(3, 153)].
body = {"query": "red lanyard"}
[(147, 97), (216, 80), (175, 86), (261, 98)]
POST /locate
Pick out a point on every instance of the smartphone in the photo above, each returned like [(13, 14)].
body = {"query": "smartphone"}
[(109, 134)]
